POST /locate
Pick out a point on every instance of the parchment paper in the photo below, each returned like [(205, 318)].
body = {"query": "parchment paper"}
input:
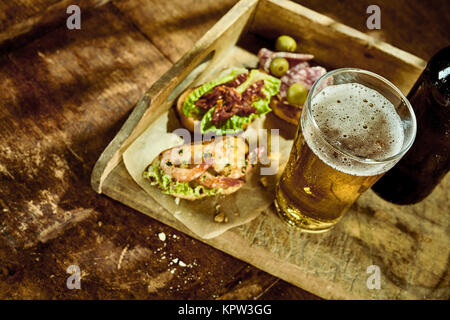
[(198, 215)]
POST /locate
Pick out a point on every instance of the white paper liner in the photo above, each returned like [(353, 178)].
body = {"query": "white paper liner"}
[(198, 216)]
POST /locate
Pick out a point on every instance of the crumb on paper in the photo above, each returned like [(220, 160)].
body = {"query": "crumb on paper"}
[(220, 217), (251, 199), (162, 236)]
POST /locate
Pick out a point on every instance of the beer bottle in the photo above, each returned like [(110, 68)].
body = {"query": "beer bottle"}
[(428, 160)]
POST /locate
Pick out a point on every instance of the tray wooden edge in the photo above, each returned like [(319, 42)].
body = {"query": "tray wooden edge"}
[(111, 157), (258, 258), (350, 32)]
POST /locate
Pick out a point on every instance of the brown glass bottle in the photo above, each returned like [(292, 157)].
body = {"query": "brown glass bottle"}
[(428, 160)]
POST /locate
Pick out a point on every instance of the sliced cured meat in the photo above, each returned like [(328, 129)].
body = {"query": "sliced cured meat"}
[(228, 101), (210, 181), (266, 56), (237, 81), (300, 74), (254, 91)]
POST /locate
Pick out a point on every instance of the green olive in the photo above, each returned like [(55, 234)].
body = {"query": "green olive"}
[(285, 43), (296, 94), (279, 66)]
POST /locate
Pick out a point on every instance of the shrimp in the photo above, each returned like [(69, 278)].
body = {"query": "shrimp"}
[(229, 155), (210, 181), (223, 164), (230, 164), (177, 163)]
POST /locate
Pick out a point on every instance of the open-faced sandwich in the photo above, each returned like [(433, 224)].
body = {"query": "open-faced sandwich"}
[(201, 169), (296, 75), (229, 103)]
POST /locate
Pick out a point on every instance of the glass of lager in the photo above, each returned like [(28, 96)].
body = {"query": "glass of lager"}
[(355, 125)]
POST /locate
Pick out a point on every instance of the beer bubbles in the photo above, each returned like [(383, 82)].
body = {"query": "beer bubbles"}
[(358, 121)]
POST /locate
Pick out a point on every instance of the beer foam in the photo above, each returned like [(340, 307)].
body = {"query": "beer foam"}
[(359, 121)]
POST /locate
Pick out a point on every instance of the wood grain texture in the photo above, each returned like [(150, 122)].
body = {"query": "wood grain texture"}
[(121, 257), (106, 227), (64, 95), (174, 28), (215, 44), (13, 12), (400, 240), (59, 94), (336, 45), (331, 265), (418, 27), (20, 21)]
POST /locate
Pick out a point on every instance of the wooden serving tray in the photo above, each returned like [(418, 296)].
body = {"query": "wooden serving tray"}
[(410, 244)]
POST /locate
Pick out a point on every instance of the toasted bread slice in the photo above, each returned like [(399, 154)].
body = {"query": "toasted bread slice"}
[(224, 191), (285, 111), (187, 121), (194, 183)]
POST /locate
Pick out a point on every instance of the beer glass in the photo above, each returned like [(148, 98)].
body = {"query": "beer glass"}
[(355, 125)]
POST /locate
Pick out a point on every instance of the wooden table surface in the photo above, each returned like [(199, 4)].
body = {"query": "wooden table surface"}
[(63, 96)]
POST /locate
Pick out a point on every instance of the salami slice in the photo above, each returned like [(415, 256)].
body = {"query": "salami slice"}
[(266, 56), (300, 73)]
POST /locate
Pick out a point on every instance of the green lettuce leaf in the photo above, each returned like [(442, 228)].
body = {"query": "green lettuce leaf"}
[(159, 178), (236, 123), (271, 84), (233, 125), (189, 107)]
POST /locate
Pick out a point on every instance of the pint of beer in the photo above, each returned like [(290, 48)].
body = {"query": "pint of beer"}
[(355, 126)]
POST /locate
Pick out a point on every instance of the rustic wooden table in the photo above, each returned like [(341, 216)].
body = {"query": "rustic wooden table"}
[(65, 93)]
